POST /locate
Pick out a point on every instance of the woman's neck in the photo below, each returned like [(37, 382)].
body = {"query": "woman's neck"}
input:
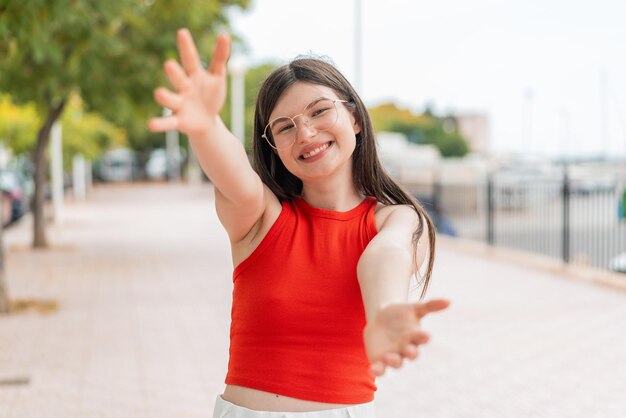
[(339, 195)]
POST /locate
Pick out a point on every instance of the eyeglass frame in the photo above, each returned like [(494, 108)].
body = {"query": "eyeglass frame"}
[(335, 101)]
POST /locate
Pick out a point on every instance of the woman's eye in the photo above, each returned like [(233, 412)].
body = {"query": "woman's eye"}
[(284, 128), (318, 112)]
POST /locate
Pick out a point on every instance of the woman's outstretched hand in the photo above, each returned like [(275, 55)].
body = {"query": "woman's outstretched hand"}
[(198, 94), (395, 334)]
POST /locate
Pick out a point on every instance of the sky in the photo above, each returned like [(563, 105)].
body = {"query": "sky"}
[(550, 75)]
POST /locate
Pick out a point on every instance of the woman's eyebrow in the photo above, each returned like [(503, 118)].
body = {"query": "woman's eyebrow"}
[(312, 102)]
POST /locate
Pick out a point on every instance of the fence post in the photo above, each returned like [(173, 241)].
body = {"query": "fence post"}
[(490, 211), (436, 190), (566, 215)]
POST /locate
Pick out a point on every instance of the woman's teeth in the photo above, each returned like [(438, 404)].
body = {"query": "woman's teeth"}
[(316, 151)]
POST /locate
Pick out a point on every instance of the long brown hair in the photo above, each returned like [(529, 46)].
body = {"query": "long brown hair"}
[(369, 176)]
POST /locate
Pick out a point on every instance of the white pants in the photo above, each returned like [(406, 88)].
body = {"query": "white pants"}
[(225, 409)]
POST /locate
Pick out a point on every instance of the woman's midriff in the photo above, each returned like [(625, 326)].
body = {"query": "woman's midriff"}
[(265, 401)]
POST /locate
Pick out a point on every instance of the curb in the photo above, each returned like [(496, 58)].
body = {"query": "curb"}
[(570, 271)]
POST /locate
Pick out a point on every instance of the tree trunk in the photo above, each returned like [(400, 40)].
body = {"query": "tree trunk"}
[(4, 294), (41, 169)]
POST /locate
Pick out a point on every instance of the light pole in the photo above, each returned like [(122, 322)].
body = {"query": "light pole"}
[(237, 98), (358, 39), (172, 145), (527, 113), (56, 170), (566, 146), (604, 112)]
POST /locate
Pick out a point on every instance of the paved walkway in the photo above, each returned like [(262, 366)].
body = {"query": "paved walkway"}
[(142, 278)]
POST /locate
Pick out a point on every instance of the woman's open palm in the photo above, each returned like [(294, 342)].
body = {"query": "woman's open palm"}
[(198, 94), (395, 333)]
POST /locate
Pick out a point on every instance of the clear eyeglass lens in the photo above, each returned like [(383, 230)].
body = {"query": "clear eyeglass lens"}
[(320, 115)]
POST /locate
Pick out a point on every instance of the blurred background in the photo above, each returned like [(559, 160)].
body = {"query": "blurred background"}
[(506, 119)]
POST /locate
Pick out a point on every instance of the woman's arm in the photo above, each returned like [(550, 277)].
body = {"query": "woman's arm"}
[(393, 330), (196, 101)]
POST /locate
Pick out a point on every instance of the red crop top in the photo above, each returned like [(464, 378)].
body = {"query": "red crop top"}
[(297, 314)]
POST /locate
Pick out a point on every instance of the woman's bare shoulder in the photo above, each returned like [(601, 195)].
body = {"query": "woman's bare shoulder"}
[(384, 213)]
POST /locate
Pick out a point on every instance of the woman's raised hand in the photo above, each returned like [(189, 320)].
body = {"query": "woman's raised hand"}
[(395, 334), (198, 94)]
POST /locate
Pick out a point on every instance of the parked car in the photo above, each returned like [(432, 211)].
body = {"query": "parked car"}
[(618, 263), (158, 165), (16, 198), (117, 165)]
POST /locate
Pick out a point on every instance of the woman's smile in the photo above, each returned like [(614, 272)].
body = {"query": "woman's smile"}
[(316, 153)]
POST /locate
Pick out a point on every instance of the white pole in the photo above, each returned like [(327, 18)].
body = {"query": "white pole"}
[(237, 120), (358, 40), (56, 171), (194, 174), (527, 119), (172, 144), (88, 177), (5, 155), (566, 145), (78, 177), (604, 112)]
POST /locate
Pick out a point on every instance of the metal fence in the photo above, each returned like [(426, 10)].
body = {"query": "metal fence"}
[(570, 212)]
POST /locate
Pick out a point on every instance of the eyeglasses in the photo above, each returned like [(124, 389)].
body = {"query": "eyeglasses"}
[(321, 114)]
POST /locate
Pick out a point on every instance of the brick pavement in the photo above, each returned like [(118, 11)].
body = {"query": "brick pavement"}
[(142, 278)]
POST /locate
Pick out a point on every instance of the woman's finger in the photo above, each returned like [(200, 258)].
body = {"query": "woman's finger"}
[(421, 309), (169, 123), (418, 337), (411, 351), (220, 56), (175, 74), (188, 52), (377, 368), (166, 98), (393, 360)]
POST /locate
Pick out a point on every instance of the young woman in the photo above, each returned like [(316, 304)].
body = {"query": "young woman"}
[(324, 242)]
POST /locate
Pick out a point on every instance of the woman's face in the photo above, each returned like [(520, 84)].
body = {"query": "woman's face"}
[(314, 154)]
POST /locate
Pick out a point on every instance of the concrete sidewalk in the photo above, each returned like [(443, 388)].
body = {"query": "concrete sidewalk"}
[(142, 277)]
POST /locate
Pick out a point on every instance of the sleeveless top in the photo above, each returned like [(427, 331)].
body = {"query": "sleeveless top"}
[(297, 316)]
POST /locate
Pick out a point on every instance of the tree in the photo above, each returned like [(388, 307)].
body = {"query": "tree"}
[(18, 125), (110, 52), (85, 133), (421, 129)]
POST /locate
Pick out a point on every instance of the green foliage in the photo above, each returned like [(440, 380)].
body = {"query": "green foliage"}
[(388, 116), (87, 133), (452, 145), (110, 51), (18, 125), (83, 133), (421, 129), (253, 78)]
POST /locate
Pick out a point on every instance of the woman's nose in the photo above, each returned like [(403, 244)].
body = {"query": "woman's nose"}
[(304, 130)]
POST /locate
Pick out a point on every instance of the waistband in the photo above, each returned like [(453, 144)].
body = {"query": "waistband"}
[(225, 409)]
